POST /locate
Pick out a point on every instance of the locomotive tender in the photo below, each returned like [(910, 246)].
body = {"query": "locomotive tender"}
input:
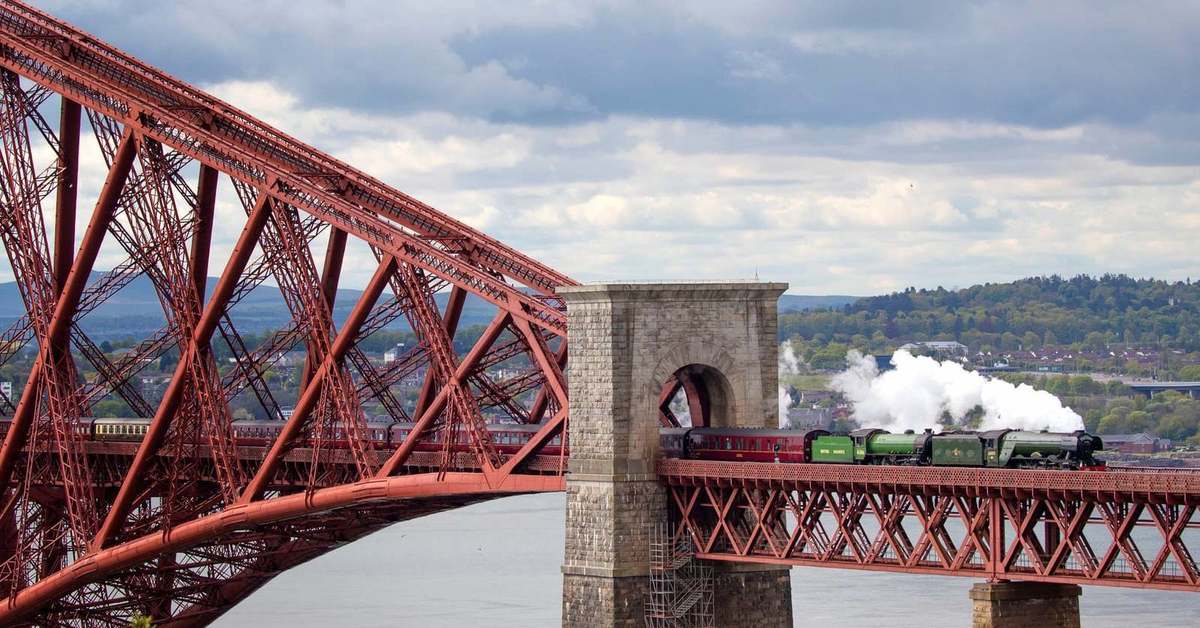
[(1012, 449)]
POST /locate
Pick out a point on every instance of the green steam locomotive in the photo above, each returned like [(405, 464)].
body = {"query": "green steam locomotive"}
[(995, 448)]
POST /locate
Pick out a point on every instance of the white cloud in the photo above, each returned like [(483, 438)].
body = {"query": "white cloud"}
[(831, 210)]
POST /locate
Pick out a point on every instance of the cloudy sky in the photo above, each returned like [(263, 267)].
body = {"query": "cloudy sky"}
[(847, 148)]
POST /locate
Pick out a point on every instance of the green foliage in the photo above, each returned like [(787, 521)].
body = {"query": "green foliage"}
[(1169, 415), (1090, 312), (110, 408), (140, 621), (1190, 373)]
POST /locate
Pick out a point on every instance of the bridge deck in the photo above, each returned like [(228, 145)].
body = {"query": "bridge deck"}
[(1129, 528)]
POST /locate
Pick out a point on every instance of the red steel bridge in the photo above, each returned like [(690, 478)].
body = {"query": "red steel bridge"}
[(186, 519)]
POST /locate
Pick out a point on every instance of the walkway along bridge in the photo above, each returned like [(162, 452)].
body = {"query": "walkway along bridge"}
[(188, 518)]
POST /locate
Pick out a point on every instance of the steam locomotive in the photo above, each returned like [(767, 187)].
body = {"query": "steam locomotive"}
[(1011, 449)]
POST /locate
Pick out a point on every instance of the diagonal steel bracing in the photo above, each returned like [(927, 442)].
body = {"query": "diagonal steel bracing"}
[(92, 531)]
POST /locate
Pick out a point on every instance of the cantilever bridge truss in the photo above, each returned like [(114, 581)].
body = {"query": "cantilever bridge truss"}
[(183, 522)]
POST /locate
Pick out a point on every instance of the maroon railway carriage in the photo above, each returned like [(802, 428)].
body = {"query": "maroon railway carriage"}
[(748, 444), (509, 438)]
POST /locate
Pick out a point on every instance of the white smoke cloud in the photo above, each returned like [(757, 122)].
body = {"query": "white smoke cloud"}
[(916, 393), (789, 364)]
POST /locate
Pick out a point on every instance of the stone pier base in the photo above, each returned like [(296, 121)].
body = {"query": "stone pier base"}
[(604, 600), (752, 596), (1021, 604)]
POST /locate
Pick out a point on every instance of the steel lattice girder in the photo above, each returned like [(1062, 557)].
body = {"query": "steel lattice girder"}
[(198, 532), (107, 526), (1123, 528)]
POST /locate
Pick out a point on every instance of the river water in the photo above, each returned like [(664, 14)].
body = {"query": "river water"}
[(497, 564)]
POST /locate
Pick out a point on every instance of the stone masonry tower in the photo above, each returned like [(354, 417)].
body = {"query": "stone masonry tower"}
[(627, 340)]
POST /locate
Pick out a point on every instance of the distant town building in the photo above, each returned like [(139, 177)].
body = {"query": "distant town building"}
[(292, 359), (6, 388), (941, 348), (812, 396), (809, 418), (393, 354), (1142, 443), (154, 385)]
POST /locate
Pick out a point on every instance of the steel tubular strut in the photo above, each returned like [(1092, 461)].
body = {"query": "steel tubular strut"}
[(309, 398), (67, 302), (174, 394)]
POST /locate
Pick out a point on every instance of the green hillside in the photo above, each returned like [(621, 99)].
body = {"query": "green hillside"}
[(1089, 312)]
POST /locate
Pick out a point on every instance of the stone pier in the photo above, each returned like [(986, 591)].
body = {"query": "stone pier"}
[(1022, 604), (627, 340)]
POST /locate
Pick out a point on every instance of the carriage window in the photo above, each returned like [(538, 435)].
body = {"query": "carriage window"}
[(728, 443)]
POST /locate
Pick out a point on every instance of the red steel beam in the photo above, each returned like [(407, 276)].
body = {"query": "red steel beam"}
[(331, 273), (173, 396), (454, 305), (206, 200), (68, 300), (308, 400), (248, 515), (541, 402), (67, 192), (396, 460), (549, 364), (214, 132)]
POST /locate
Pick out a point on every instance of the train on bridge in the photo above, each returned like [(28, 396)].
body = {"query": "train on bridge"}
[(507, 437), (1006, 448), (1016, 449)]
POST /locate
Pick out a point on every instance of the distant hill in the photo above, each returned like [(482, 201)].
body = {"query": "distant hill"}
[(1030, 312), (135, 310), (804, 302)]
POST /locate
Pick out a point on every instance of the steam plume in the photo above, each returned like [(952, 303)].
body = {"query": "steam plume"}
[(919, 390), (789, 364)]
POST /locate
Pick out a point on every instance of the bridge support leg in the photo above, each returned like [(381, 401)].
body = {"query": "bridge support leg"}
[(1020, 604), (627, 341), (606, 573), (753, 595)]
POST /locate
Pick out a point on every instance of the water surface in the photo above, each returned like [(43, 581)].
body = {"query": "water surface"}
[(497, 564)]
